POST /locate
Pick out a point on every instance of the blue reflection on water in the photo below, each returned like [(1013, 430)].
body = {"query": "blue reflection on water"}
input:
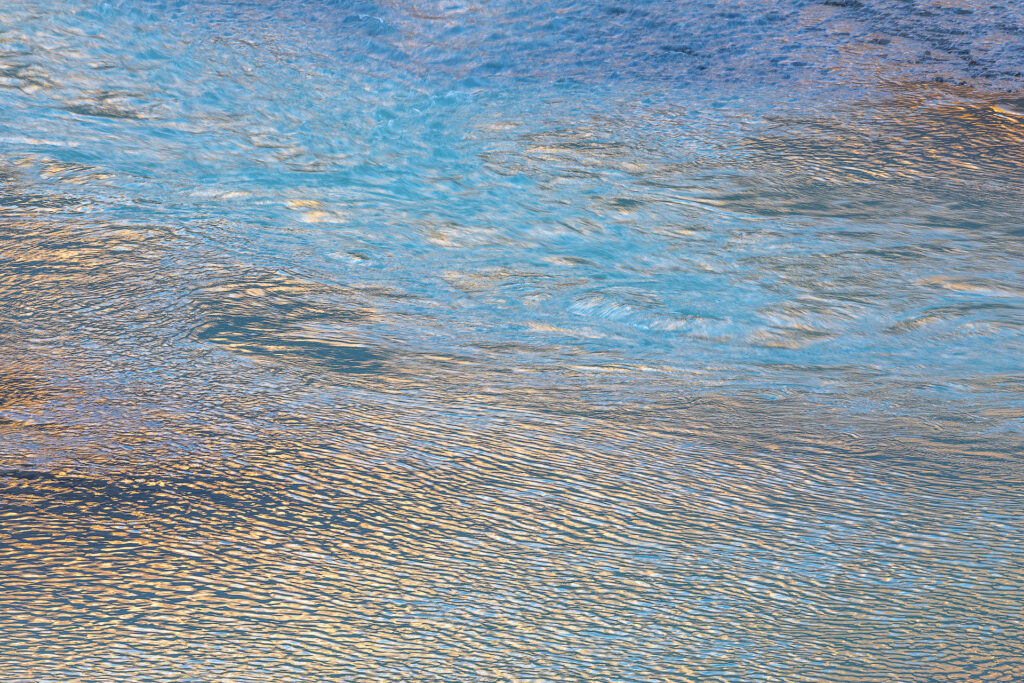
[(567, 295)]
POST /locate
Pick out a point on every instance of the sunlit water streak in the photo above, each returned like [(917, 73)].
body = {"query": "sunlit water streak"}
[(523, 341)]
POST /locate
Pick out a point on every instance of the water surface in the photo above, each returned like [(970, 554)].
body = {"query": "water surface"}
[(517, 341)]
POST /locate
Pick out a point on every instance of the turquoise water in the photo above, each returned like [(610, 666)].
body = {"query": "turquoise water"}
[(519, 341)]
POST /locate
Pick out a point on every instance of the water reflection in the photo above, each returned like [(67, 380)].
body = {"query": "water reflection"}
[(384, 341), (463, 552), (269, 317)]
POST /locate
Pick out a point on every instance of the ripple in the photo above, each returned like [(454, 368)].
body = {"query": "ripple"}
[(375, 341)]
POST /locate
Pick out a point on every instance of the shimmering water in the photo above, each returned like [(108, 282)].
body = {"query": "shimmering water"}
[(516, 341)]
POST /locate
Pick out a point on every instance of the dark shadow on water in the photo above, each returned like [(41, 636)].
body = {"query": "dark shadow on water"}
[(255, 337)]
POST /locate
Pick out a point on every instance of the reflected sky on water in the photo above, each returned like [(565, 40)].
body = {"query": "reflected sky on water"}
[(520, 341)]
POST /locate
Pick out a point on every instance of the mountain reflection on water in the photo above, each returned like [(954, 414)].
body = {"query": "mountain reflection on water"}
[(521, 341)]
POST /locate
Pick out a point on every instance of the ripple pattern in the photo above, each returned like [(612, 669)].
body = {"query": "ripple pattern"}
[(363, 341)]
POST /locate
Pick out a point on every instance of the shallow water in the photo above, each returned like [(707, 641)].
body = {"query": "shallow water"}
[(521, 341)]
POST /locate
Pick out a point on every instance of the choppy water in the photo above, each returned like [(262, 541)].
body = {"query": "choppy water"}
[(516, 341)]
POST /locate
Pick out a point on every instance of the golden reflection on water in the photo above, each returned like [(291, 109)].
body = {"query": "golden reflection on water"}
[(463, 545)]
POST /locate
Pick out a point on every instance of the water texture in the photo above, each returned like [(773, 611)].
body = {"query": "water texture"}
[(534, 341)]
